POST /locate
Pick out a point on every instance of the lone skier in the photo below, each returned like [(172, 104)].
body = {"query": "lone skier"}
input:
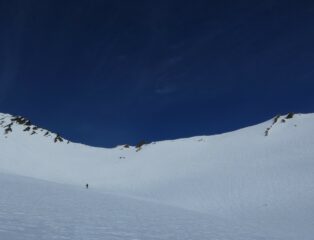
[(86, 185)]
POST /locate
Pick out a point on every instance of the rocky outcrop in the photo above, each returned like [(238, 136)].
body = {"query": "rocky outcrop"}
[(12, 124)]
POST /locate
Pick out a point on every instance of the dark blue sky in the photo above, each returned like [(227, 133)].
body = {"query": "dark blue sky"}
[(113, 72)]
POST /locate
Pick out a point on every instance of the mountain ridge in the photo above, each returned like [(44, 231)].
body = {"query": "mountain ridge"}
[(241, 175), (8, 122)]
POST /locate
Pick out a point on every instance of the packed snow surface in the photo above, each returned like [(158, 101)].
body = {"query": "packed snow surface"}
[(33, 209), (254, 183)]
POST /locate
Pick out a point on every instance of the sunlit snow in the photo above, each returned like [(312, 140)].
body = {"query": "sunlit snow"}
[(238, 185)]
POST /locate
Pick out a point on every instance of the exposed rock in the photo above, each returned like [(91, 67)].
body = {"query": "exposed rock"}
[(21, 120), (267, 132), (8, 128), (58, 138), (140, 144), (290, 115), (10, 123), (276, 119), (27, 129)]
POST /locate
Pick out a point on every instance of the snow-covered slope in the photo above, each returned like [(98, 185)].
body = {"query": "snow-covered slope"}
[(261, 176), (33, 209), (20, 124)]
